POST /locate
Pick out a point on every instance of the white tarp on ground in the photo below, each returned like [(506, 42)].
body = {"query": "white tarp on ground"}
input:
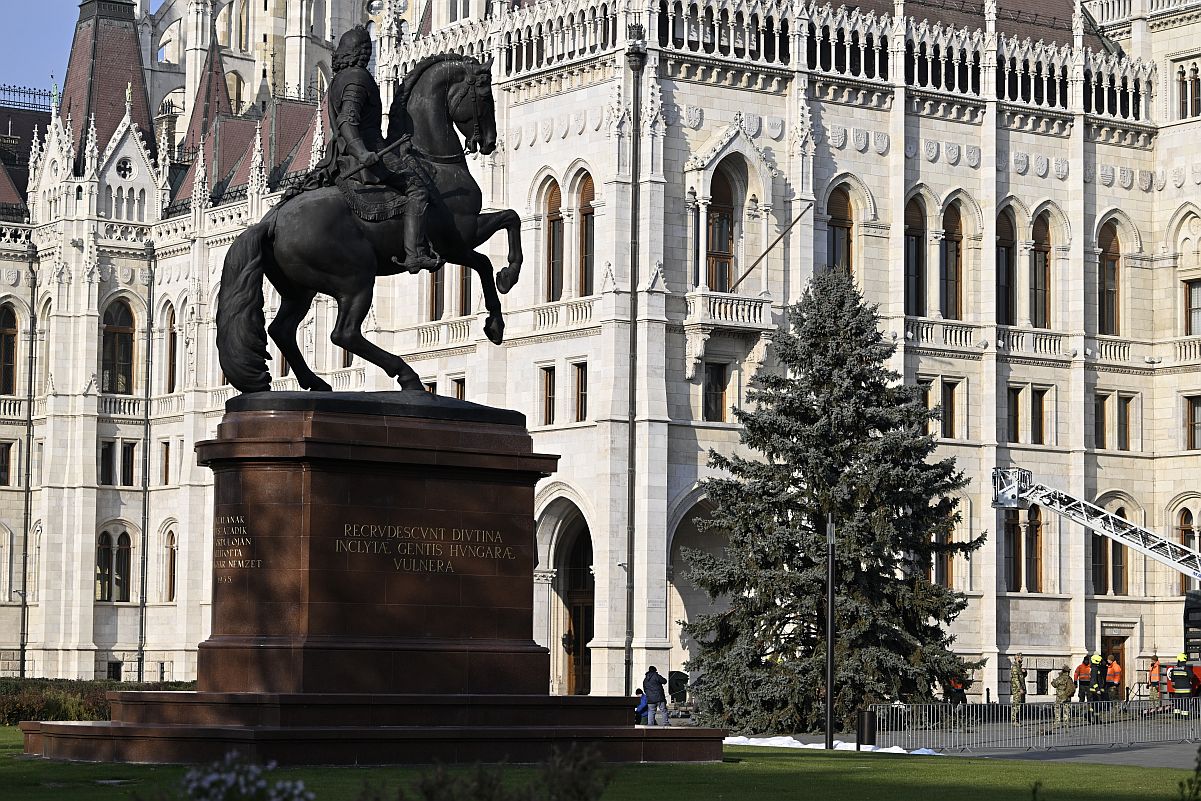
[(839, 745)]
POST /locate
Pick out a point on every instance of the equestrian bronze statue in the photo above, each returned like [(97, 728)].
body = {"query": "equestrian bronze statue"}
[(373, 206)]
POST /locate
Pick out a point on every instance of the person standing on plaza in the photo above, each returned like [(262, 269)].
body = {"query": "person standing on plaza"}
[(1017, 688), (1064, 686), (640, 710), (1153, 681), (1182, 684), (652, 692), (1113, 678), (1083, 671)]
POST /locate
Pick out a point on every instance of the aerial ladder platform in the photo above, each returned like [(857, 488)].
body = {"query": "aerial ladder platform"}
[(1015, 488)]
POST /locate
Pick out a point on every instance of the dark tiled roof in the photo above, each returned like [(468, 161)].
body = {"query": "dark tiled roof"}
[(9, 194), (105, 57), (211, 101), (16, 135)]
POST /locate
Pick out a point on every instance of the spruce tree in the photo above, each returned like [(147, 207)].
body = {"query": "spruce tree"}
[(831, 431)]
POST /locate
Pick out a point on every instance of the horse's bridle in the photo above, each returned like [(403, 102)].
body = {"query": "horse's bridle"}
[(478, 80)]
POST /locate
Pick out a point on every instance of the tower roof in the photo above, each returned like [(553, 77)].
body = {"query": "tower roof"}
[(212, 98), (106, 57)]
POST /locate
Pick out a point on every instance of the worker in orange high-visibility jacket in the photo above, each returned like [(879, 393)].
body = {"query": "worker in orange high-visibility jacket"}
[(1081, 676), (1113, 678), (1153, 679)]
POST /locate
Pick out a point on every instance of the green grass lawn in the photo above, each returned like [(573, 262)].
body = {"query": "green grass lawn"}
[(754, 774)]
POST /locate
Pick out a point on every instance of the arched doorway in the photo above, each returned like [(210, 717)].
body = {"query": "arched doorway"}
[(577, 590), (686, 601)]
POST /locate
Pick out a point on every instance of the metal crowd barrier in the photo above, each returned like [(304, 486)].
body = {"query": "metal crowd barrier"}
[(994, 727)]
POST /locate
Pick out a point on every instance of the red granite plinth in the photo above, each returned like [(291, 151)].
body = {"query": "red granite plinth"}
[(372, 601)]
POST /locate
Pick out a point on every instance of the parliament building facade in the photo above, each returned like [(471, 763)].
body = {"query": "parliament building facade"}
[(1017, 186)]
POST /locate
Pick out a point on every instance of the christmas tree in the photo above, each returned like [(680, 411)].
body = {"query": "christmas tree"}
[(834, 434)]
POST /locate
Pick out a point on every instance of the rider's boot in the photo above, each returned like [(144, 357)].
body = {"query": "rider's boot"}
[(418, 255)]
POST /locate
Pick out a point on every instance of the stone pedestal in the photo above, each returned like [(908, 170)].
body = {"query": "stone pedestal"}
[(373, 560)]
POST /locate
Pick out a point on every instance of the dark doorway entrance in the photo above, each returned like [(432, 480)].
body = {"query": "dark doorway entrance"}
[(579, 595), (1117, 647)]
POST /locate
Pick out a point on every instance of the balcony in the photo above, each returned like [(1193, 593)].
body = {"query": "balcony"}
[(742, 315), (127, 407), (943, 334), (1031, 342)]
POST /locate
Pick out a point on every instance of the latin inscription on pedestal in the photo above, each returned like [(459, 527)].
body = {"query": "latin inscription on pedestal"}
[(424, 549)]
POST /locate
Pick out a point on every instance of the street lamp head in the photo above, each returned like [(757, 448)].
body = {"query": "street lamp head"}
[(148, 249), (31, 251)]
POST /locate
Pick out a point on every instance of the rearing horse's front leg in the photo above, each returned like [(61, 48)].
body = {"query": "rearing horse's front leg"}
[(487, 225), (494, 326)]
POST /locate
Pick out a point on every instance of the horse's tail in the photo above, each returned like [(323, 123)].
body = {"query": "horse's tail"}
[(241, 329)]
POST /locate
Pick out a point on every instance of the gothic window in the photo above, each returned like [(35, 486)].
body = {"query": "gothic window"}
[(1188, 538), (1188, 90), (839, 229), (1006, 279), (554, 243), (125, 168), (8, 350), (1100, 563), (719, 248), (1192, 308), (237, 91), (104, 567), (436, 301), (1117, 558), (1108, 301), (464, 304), (170, 559), (915, 258), (121, 568), (172, 349), (117, 368), (717, 378), (1040, 274), (1013, 550), (943, 572), (950, 269), (1192, 423), (587, 218), (1034, 550)]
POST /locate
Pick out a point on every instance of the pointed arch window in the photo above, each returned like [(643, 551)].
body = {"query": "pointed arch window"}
[(1187, 535), (839, 230), (121, 567), (950, 268), (1034, 550), (719, 248), (1108, 299), (172, 350), (1013, 550), (587, 218), (1040, 274), (117, 367), (1117, 557), (8, 350), (1007, 296), (915, 258), (170, 561), (104, 567), (554, 243)]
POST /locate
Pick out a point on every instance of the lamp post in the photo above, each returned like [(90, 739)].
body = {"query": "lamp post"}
[(829, 632)]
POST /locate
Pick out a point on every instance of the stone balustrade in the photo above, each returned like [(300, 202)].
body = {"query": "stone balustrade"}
[(728, 311)]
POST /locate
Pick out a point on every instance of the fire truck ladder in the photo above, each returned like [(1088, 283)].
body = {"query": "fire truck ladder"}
[(1015, 488)]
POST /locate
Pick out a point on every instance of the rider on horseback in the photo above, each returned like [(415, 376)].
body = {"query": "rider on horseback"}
[(352, 161)]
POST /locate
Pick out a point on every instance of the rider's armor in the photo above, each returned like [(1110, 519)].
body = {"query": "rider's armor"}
[(356, 115)]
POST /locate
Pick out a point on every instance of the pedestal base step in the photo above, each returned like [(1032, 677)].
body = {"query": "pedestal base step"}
[(165, 727)]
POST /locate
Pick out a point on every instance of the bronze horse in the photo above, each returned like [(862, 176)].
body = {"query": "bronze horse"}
[(313, 243)]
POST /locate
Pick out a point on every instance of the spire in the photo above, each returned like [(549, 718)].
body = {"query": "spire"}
[(258, 172), (200, 183), (105, 77), (318, 150), (212, 98), (91, 154)]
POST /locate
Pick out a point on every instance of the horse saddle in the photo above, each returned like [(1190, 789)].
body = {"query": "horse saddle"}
[(372, 202)]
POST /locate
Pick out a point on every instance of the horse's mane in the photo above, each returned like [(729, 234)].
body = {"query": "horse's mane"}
[(414, 75)]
